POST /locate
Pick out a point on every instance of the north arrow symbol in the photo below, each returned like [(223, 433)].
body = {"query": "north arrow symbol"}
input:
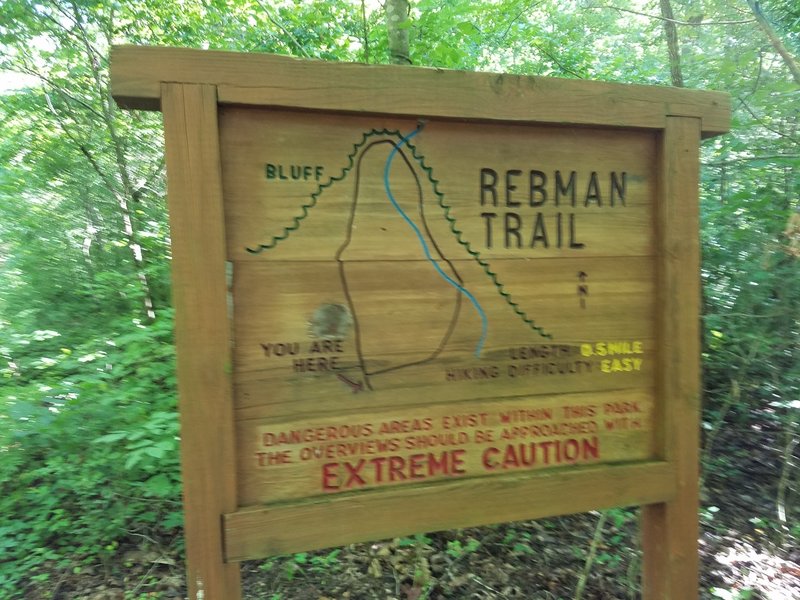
[(583, 290)]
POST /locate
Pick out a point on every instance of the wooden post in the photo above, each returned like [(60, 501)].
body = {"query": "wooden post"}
[(202, 334), (670, 530)]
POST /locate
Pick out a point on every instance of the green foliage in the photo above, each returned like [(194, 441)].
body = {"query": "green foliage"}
[(614, 550), (751, 287), (290, 567), (89, 448), (456, 549), (521, 542), (743, 594)]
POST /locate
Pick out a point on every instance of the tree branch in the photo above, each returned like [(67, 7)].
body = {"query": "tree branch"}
[(767, 28), (285, 31), (157, 171), (106, 102), (558, 63), (515, 18), (94, 52), (734, 161), (675, 21), (587, 565), (366, 30), (758, 119), (109, 183), (60, 90)]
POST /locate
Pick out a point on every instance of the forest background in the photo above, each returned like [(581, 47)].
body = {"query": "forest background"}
[(89, 476)]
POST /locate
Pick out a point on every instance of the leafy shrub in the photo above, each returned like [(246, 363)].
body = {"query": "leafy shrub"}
[(88, 449)]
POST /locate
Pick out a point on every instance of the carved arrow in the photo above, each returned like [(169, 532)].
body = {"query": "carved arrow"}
[(355, 386)]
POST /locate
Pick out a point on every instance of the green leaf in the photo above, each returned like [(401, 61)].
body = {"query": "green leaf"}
[(465, 27), (159, 485), (110, 437), (154, 451)]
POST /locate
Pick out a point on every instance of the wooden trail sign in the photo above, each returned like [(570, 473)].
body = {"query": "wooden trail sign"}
[(411, 300)]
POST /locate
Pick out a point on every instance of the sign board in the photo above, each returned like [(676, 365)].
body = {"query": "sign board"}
[(414, 300)]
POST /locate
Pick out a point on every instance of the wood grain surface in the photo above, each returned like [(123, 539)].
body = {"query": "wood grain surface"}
[(387, 271), (204, 357), (282, 81), (344, 519)]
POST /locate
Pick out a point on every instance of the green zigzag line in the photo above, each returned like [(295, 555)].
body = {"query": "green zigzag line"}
[(459, 235), (306, 208)]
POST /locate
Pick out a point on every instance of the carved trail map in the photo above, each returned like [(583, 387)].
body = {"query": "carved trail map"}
[(415, 302)]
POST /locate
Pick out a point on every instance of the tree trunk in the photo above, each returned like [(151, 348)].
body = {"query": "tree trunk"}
[(767, 28), (127, 192), (396, 20), (673, 47)]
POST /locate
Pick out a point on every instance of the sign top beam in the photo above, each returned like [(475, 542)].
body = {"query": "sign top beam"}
[(282, 82)]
